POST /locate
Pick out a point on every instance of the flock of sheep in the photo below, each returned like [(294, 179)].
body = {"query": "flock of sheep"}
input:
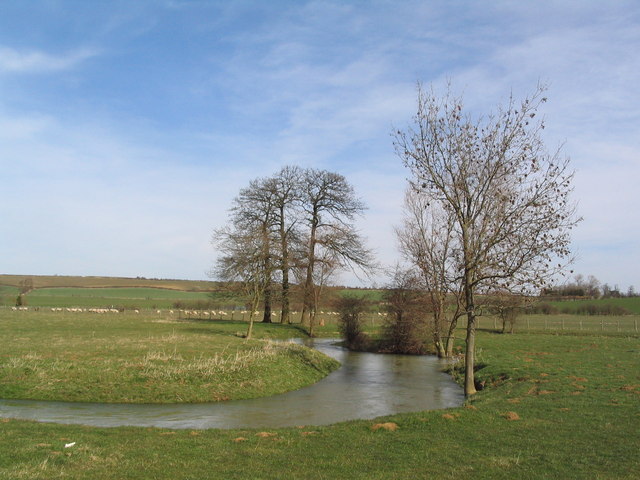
[(181, 313)]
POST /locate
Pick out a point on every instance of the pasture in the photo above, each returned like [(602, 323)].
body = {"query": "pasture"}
[(119, 297), (147, 358), (559, 398), (552, 406)]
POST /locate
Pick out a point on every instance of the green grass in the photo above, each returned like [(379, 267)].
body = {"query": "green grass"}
[(553, 406), (147, 358), (632, 304), (47, 281), (8, 294), (129, 297)]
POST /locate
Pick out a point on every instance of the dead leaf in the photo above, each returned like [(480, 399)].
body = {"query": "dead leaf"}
[(239, 439), (265, 434), (390, 426), (511, 416)]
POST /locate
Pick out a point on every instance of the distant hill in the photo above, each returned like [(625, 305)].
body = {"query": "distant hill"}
[(52, 281)]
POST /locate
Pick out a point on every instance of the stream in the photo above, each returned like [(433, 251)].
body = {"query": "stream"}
[(367, 385)]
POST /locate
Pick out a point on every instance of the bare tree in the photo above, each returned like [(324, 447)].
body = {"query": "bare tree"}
[(426, 241), (507, 306), (286, 186), (330, 205), (255, 212), (508, 196), (242, 261)]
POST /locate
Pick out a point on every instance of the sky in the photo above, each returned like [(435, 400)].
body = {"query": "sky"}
[(127, 128)]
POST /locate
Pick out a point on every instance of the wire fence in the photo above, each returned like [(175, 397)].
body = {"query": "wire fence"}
[(565, 323)]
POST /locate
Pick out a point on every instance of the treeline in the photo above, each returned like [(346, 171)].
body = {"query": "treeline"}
[(544, 308), (588, 287)]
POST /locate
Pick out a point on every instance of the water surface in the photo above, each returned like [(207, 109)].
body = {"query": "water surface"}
[(367, 385)]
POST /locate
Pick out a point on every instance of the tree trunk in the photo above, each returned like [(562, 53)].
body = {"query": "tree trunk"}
[(285, 314), (451, 337), (469, 365), (268, 267), (266, 318), (284, 247), (311, 260), (470, 351)]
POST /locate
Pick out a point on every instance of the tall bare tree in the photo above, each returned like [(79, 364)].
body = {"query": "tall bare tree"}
[(426, 241), (286, 189), (508, 197), (255, 212), (330, 206)]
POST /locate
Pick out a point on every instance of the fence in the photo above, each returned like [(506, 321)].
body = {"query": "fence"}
[(565, 323)]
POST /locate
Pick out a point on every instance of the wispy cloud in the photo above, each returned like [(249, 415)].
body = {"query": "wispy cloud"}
[(139, 152), (35, 61)]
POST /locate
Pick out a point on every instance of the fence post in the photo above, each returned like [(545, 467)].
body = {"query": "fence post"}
[(601, 324)]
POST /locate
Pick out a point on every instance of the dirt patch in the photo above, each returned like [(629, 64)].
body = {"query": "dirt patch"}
[(630, 388), (511, 416)]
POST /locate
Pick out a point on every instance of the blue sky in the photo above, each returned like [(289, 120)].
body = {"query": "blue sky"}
[(126, 128)]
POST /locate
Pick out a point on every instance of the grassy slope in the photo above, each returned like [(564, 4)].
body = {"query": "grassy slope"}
[(576, 399), (46, 281), (146, 359)]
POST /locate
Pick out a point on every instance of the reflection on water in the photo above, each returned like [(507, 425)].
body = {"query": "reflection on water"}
[(367, 385)]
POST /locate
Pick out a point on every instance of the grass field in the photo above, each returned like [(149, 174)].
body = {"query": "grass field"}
[(147, 358), (632, 304), (553, 406), (561, 398), (124, 297), (47, 281)]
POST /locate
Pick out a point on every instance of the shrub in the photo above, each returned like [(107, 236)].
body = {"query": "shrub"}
[(350, 322), (542, 308), (406, 329)]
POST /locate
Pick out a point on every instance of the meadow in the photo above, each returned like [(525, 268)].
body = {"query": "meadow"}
[(118, 297), (552, 406), (147, 358), (558, 399)]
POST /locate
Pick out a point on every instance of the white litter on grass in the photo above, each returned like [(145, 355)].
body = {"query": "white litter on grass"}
[(69, 445)]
